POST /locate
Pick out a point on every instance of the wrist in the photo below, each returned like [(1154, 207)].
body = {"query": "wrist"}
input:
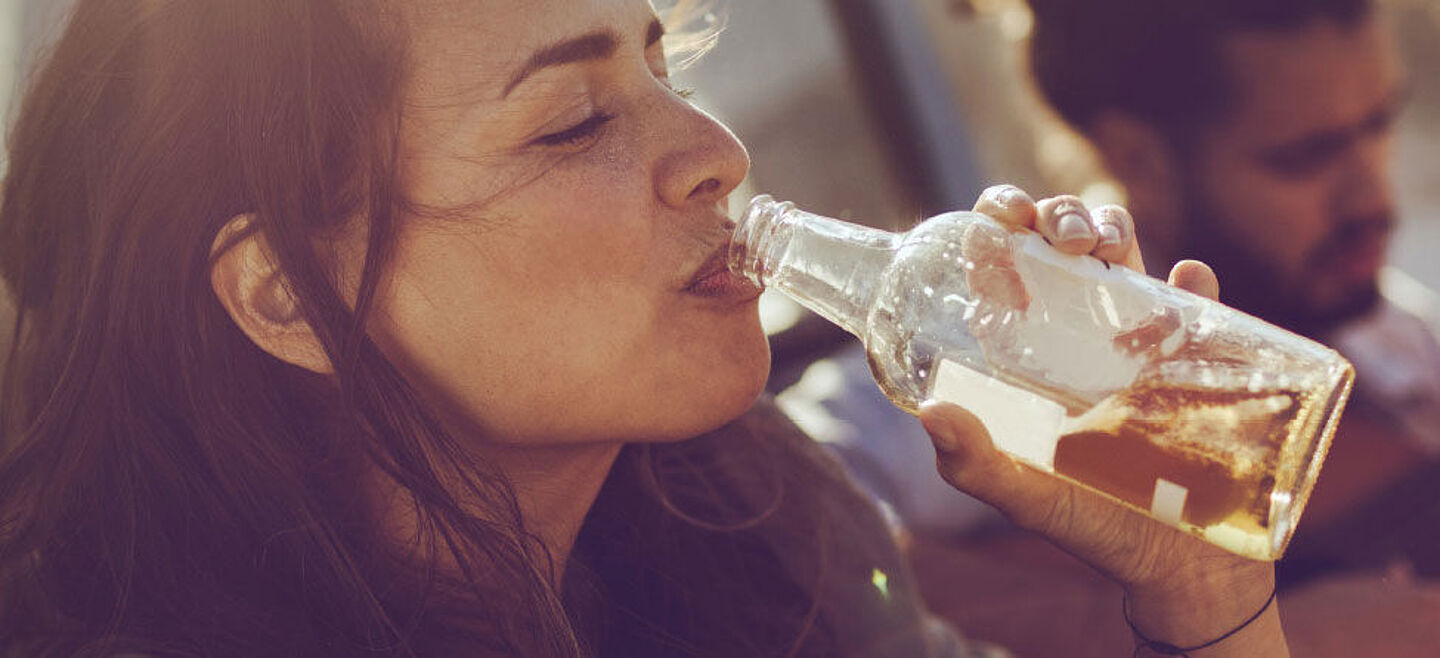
[(1194, 608)]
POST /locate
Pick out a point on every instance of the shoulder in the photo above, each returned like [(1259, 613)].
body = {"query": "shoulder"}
[(866, 592), (1410, 295), (751, 537)]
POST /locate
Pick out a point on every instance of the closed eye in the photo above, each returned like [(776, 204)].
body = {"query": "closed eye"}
[(576, 134)]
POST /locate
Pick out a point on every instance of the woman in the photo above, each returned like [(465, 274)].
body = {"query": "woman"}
[(354, 327)]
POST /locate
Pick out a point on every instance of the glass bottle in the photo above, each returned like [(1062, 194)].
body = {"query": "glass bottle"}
[(1172, 404)]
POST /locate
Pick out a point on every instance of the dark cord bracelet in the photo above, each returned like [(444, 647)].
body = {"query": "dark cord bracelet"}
[(1167, 649)]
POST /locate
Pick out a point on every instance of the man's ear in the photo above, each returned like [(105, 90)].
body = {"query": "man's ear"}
[(255, 292), (1144, 161), (1136, 153)]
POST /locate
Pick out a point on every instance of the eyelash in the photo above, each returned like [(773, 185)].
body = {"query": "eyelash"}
[(587, 128), (577, 133)]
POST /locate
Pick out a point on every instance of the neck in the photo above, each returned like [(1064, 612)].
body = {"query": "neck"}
[(554, 487)]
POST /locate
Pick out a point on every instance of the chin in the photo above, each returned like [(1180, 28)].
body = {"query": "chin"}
[(724, 405), (1322, 317), (730, 390)]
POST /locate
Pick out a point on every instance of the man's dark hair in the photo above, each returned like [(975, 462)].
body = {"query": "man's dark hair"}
[(1158, 60)]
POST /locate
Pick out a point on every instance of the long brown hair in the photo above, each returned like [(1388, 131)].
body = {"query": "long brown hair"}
[(165, 484), (168, 488)]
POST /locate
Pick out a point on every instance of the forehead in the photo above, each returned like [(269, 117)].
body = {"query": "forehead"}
[(481, 42), (1322, 75)]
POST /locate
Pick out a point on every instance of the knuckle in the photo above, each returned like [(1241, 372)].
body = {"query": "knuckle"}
[(1006, 194), (1066, 203), (996, 192), (950, 472), (1054, 209), (1112, 214)]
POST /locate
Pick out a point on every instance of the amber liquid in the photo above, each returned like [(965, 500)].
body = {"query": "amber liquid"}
[(1220, 446)]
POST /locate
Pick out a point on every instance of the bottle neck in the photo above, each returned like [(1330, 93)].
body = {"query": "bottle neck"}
[(831, 267)]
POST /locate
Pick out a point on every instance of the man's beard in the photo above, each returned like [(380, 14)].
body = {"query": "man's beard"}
[(1250, 283)]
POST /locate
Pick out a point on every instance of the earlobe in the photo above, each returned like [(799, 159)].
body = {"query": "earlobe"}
[(258, 297)]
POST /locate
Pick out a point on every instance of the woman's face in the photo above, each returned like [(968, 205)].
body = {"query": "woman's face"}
[(556, 282)]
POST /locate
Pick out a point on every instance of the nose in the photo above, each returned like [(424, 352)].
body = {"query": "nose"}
[(1364, 189), (703, 161)]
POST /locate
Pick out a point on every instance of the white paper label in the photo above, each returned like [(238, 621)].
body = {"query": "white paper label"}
[(1020, 422), (1168, 502)]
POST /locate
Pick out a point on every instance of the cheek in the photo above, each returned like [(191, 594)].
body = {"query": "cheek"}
[(489, 319), (1281, 219), (571, 332), (562, 371), (518, 366)]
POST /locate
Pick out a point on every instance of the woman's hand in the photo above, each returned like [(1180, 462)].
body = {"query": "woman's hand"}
[(1181, 590)]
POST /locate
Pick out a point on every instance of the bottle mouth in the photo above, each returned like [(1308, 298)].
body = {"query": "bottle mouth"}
[(1288, 500), (763, 218)]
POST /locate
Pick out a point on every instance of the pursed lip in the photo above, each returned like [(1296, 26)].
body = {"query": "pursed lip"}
[(714, 279)]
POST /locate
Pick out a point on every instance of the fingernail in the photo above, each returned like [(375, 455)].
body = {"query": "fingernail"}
[(1010, 196), (1109, 235), (942, 432), (1072, 226)]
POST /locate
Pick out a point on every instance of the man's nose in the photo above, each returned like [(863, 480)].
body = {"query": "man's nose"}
[(1364, 186)]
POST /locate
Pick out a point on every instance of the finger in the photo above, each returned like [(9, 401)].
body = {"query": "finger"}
[(991, 266), (968, 460), (1196, 277), (1007, 204), (962, 446), (1065, 222), (1115, 237), (998, 290)]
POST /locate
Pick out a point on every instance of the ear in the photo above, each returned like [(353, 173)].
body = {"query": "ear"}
[(255, 292), (1141, 159), (1136, 153)]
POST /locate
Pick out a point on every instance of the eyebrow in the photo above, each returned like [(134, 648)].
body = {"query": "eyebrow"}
[(599, 44), (1332, 139)]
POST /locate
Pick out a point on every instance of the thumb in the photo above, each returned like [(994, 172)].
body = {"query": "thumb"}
[(1196, 277), (969, 461)]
